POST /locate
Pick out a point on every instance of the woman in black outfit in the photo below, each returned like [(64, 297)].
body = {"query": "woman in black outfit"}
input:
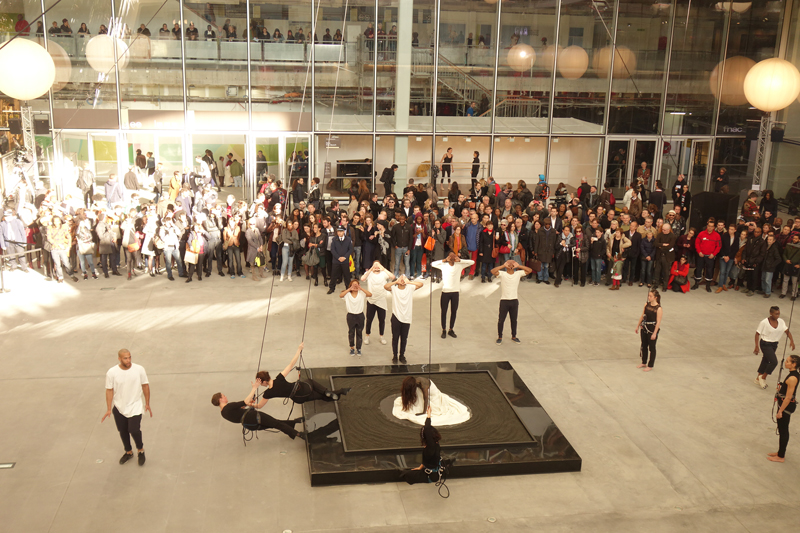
[(787, 401), (432, 468), (299, 391), (650, 324), (768, 203), (446, 161), (453, 193)]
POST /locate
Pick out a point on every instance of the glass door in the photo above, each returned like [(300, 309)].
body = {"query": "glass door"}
[(103, 156), (643, 164), (698, 170), (617, 155), (676, 159)]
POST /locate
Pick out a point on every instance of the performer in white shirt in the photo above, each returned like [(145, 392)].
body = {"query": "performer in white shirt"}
[(451, 276)]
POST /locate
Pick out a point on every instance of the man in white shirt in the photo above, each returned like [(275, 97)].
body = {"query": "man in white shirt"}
[(376, 277), (509, 273), (451, 276), (126, 383), (402, 299)]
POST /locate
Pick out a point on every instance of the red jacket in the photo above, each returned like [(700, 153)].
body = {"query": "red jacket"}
[(708, 244), (678, 270)]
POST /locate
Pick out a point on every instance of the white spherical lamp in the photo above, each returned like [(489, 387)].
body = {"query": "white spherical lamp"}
[(100, 53), (733, 71), (573, 62), (139, 48), (624, 62), (549, 56), (772, 84), (28, 70), (521, 57), (62, 63)]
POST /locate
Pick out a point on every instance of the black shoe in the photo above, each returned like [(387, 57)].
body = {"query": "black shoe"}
[(394, 360), (330, 291), (325, 282), (301, 435), (483, 280), (514, 339), (106, 275), (452, 334), (444, 334), (125, 458), (170, 278), (221, 274), (188, 280), (694, 287), (547, 282), (708, 288), (499, 341), (141, 458), (86, 276), (74, 279), (782, 296), (116, 273), (316, 282), (403, 360)]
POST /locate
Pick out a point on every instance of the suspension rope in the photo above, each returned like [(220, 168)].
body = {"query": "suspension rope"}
[(783, 360)]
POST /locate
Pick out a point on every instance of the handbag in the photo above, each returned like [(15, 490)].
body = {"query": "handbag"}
[(85, 248), (352, 265), (195, 247), (429, 243), (494, 249), (681, 280), (133, 247), (261, 259), (311, 258), (190, 257), (158, 242), (536, 265)]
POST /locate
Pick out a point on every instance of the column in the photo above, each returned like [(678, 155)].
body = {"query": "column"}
[(405, 14)]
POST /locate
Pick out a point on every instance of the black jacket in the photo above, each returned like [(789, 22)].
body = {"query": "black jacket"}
[(485, 245), (341, 248), (636, 242), (772, 258), (401, 235), (754, 251), (545, 245), (729, 248)]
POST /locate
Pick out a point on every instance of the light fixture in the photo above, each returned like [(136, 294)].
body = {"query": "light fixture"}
[(573, 62), (100, 53), (527, 139), (468, 139), (497, 139), (548, 56), (377, 137), (677, 112), (521, 57), (62, 63), (624, 62), (772, 84), (444, 139), (419, 139), (23, 56), (732, 91), (511, 139), (736, 7)]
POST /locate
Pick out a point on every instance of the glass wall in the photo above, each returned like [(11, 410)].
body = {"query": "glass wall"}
[(633, 75), (525, 70)]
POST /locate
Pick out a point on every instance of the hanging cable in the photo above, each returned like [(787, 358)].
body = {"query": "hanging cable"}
[(783, 360)]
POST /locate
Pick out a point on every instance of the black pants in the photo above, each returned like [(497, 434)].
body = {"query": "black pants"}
[(451, 299), (399, 335), (704, 263), (309, 390), (769, 361), (561, 260), (214, 251), (418, 476), (371, 311), (198, 266), (580, 275), (783, 433), (629, 269), (510, 308), (339, 270), (661, 275), (87, 196), (445, 171), (648, 344), (355, 327), (128, 427), (268, 422)]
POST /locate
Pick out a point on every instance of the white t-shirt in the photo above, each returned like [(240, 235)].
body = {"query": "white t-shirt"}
[(769, 334), (127, 385), (375, 284), (402, 300), (451, 275), (355, 304), (509, 283)]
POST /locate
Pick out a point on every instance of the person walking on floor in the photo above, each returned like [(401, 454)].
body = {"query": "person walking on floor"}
[(650, 324), (126, 385), (451, 269), (768, 334), (509, 273), (402, 304), (355, 298), (341, 250)]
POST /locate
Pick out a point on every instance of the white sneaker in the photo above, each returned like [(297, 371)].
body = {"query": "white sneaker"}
[(290, 278), (757, 381), (281, 277), (383, 341), (762, 382), (366, 340)]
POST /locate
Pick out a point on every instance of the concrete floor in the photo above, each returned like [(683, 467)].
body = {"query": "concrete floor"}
[(679, 449)]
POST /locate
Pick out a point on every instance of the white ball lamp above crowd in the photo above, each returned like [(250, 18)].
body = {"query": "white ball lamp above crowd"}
[(29, 71)]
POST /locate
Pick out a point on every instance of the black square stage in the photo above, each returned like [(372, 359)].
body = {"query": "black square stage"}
[(358, 440)]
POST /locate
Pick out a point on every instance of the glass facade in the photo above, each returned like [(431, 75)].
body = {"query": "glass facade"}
[(340, 90)]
